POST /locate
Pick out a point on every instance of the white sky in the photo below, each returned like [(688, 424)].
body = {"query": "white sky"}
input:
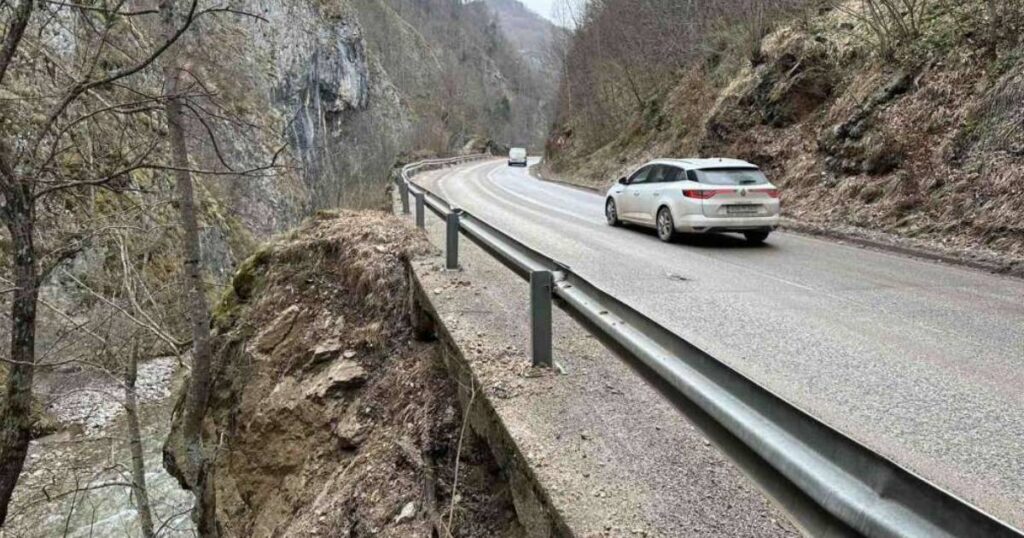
[(544, 8)]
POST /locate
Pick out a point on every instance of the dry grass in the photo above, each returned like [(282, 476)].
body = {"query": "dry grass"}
[(939, 161), (301, 455)]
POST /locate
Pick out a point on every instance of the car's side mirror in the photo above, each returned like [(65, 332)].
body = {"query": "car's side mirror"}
[(622, 181)]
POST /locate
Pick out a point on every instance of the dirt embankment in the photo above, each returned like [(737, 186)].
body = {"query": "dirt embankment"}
[(924, 149), (330, 419)]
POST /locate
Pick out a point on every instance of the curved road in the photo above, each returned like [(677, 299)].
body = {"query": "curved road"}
[(921, 361)]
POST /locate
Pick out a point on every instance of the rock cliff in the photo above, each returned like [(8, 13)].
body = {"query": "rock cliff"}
[(329, 93)]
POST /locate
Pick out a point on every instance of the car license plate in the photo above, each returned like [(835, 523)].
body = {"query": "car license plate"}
[(741, 209)]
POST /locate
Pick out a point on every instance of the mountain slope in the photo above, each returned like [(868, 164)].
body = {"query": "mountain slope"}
[(537, 40), (915, 139), (456, 72), (541, 46), (315, 104)]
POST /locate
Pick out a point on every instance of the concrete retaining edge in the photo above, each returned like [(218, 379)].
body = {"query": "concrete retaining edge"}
[(533, 505)]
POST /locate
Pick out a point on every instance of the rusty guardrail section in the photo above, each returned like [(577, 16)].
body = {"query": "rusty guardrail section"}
[(829, 483)]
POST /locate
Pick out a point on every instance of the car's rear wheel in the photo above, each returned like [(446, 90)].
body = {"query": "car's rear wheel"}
[(666, 226), (611, 213), (756, 237)]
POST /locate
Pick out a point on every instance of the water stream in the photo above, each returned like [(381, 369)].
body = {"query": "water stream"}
[(75, 482)]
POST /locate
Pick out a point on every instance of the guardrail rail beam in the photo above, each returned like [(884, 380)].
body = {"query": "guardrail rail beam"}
[(829, 483)]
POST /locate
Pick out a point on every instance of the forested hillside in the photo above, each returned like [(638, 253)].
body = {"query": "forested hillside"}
[(897, 117), (457, 71), (541, 45)]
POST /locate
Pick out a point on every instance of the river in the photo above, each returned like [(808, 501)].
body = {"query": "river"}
[(75, 481)]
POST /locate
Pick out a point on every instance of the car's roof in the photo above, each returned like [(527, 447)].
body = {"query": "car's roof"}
[(704, 164)]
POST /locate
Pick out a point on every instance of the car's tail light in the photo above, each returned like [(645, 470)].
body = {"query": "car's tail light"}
[(772, 193), (704, 194)]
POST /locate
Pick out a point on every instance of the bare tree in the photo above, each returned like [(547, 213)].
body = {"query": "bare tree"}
[(131, 407), (625, 52), (89, 120), (891, 24), (199, 312), (17, 210)]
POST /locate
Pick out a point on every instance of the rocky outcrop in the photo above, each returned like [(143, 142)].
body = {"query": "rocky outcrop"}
[(328, 419)]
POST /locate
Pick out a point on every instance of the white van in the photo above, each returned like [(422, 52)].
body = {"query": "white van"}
[(517, 157)]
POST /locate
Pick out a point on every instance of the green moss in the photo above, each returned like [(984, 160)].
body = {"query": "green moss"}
[(225, 312), (1005, 63), (248, 278), (244, 284)]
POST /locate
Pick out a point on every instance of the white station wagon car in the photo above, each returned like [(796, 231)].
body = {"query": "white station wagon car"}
[(696, 196)]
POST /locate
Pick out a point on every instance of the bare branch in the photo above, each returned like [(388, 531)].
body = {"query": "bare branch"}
[(84, 86), (105, 11), (14, 34)]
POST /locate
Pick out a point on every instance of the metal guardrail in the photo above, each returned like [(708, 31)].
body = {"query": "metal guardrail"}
[(829, 483)]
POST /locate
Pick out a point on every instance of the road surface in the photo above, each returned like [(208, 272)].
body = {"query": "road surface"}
[(921, 361)]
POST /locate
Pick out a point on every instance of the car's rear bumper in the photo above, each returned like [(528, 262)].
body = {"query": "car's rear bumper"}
[(702, 224), (516, 163)]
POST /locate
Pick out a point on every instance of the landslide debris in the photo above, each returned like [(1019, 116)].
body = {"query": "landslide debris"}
[(330, 420)]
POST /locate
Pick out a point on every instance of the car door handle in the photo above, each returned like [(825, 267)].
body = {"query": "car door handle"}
[(636, 194)]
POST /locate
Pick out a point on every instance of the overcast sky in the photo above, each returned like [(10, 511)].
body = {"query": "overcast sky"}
[(542, 8)]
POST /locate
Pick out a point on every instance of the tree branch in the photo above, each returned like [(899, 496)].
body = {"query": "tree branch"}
[(14, 35), (82, 86)]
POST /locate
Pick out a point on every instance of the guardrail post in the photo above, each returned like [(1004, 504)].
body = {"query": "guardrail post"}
[(420, 210), (541, 283), (403, 189), (451, 249)]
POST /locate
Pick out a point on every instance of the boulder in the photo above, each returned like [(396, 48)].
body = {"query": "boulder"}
[(350, 433), (278, 330), (341, 376)]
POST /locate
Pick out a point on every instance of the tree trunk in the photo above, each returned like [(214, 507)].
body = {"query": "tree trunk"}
[(131, 408), (17, 211), (994, 27), (16, 421), (198, 310)]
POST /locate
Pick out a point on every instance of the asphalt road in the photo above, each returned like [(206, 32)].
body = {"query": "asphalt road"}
[(921, 361)]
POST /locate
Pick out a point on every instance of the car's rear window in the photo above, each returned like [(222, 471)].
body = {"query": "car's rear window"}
[(731, 176), (517, 152)]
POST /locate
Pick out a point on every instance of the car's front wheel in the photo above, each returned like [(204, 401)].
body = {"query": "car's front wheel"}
[(666, 226), (611, 213), (756, 237)]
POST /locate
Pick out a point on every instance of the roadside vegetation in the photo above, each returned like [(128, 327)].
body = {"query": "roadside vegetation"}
[(901, 119)]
